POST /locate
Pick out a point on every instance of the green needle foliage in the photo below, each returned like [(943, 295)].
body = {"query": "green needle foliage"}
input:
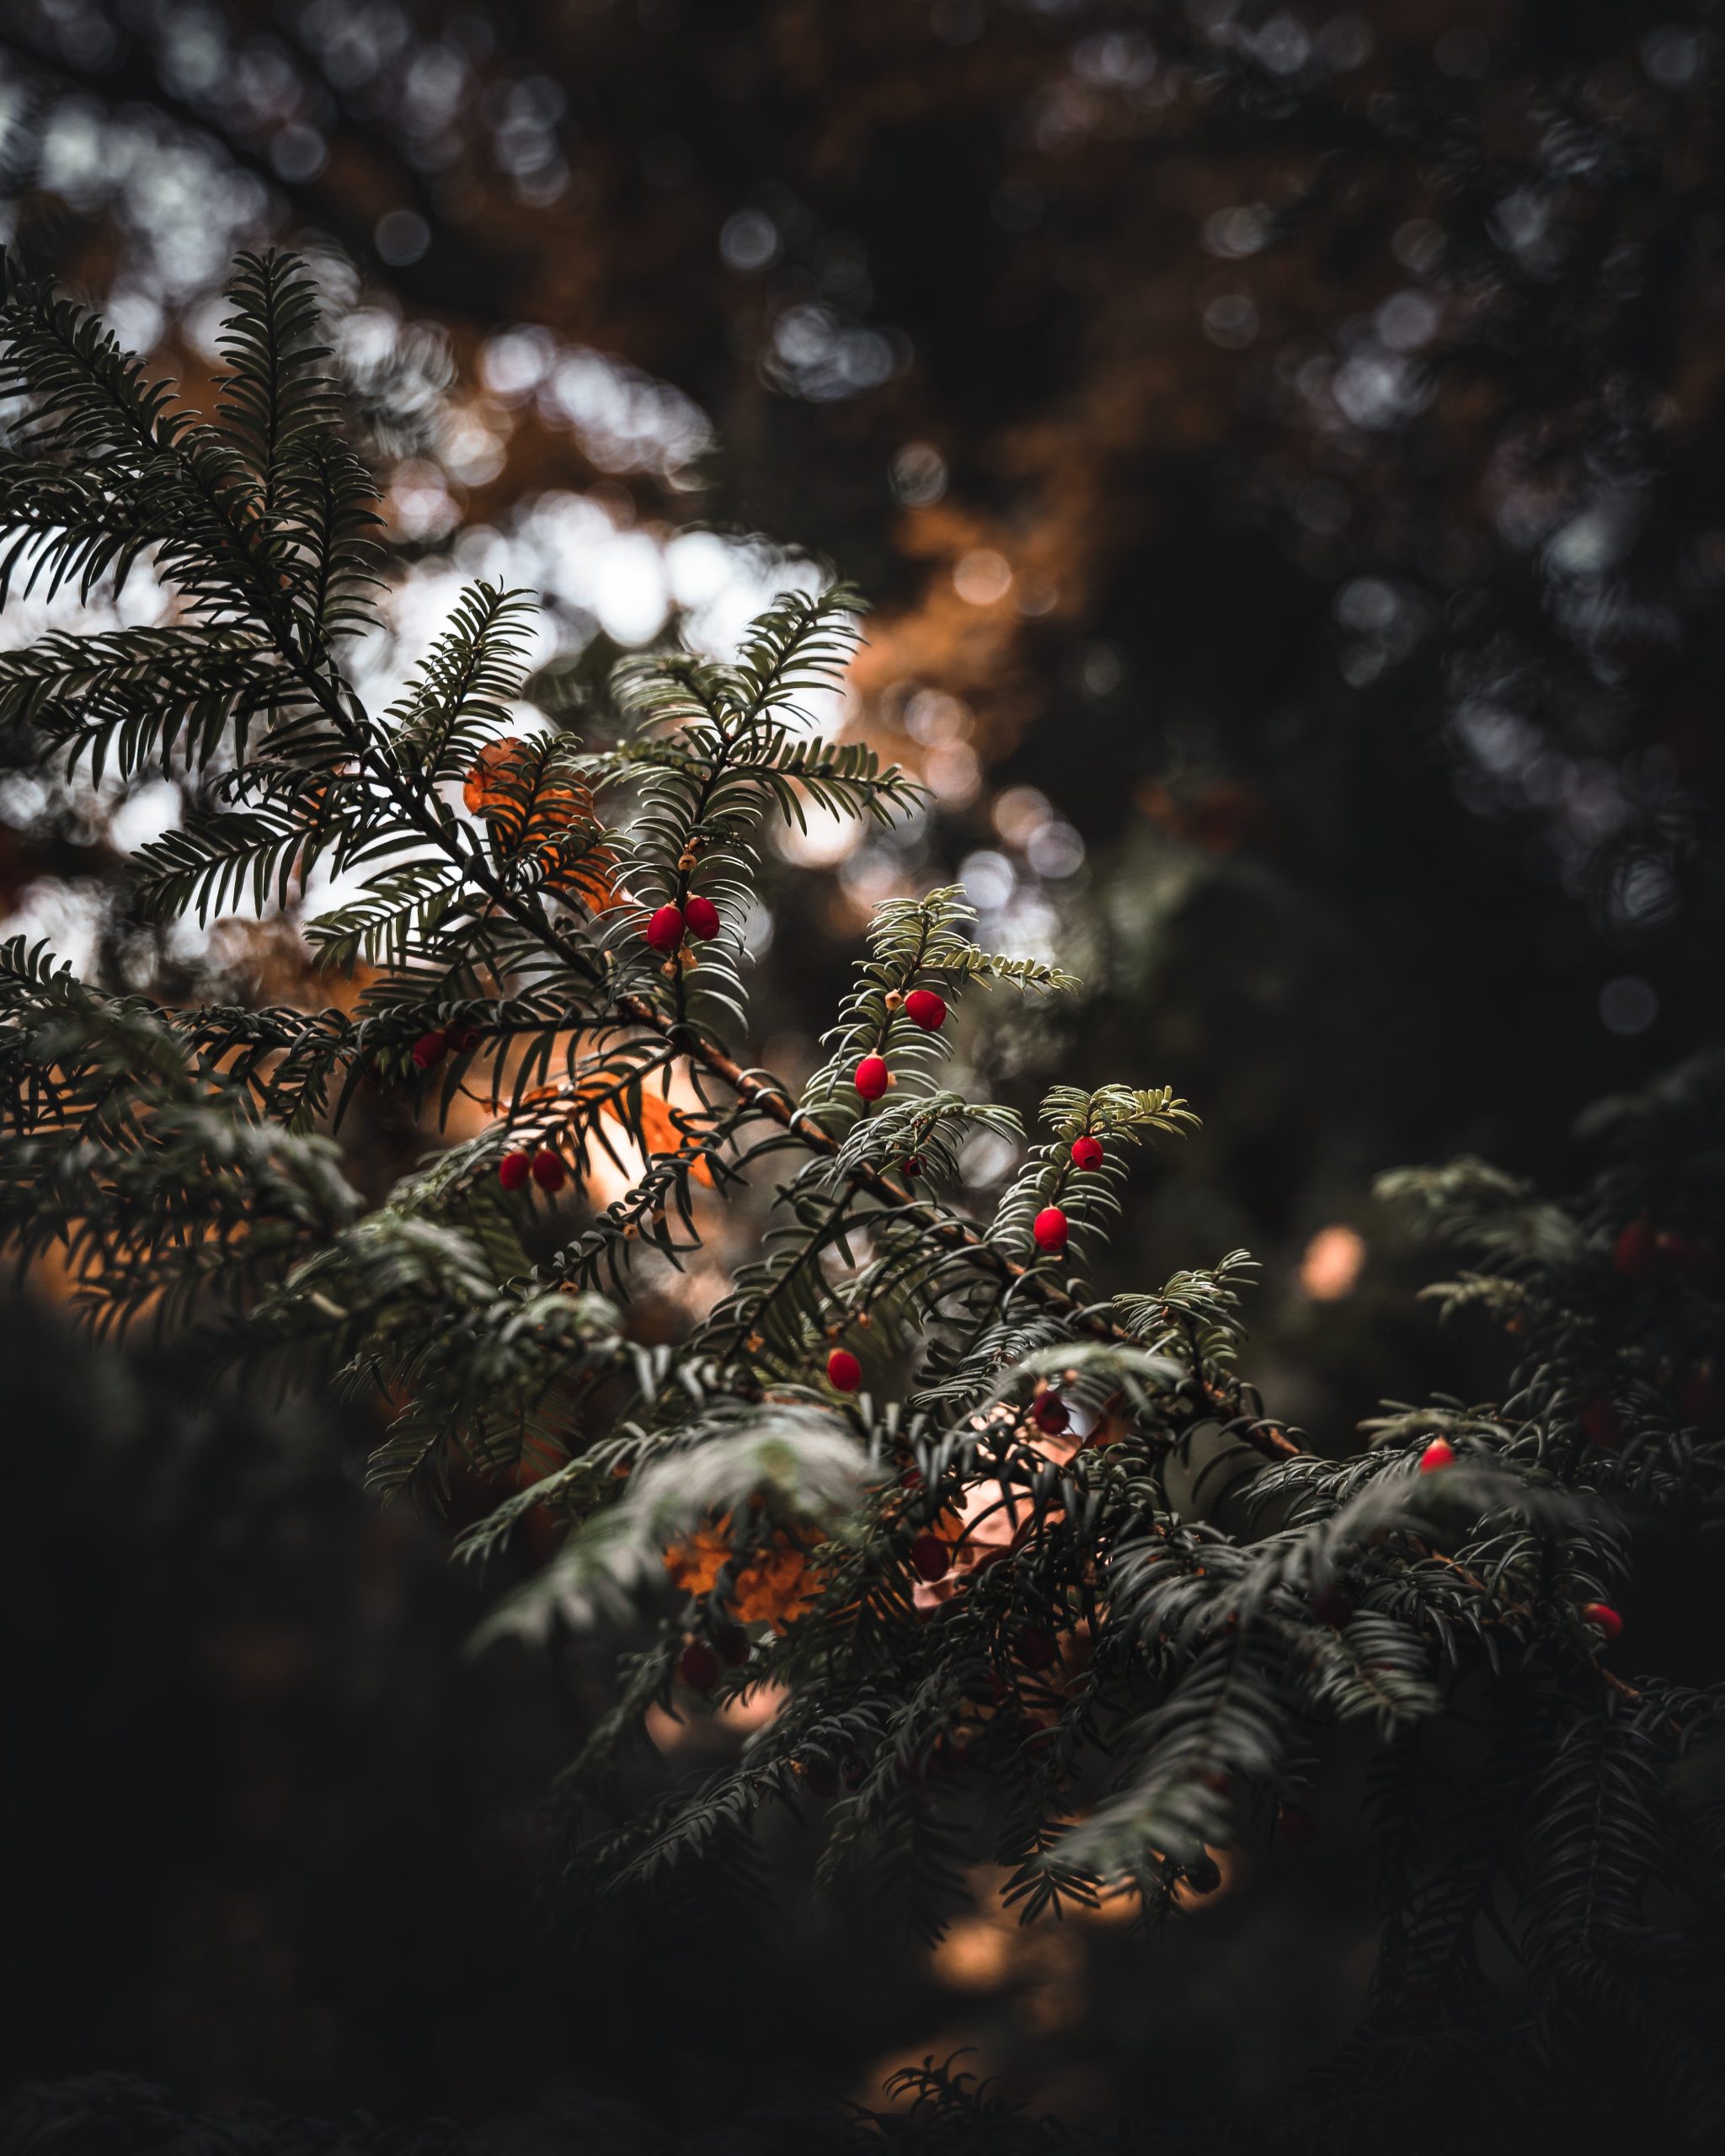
[(1033, 1576)]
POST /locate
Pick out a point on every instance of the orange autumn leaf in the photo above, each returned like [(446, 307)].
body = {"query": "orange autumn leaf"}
[(508, 789), (777, 1590), (696, 1562), (495, 787), (774, 1588)]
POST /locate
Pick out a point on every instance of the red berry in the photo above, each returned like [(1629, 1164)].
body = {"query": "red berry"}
[(1603, 1618), (698, 1666), (924, 1008), (1439, 1453), (664, 931), (1049, 1230), (548, 1169), (1050, 1414), (871, 1077), (844, 1372), (1035, 1649), (431, 1048), (1299, 1828), (930, 1558), (465, 1041), (1601, 1424), (1087, 1152), (1679, 1253), (818, 1773), (513, 1171), (701, 916), (1635, 1253)]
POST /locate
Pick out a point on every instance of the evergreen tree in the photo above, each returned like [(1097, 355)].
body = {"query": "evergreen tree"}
[(1029, 1570)]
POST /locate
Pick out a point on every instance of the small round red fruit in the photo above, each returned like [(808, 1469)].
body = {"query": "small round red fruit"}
[(664, 931), (821, 1777), (467, 1040), (1601, 1425), (513, 1171), (701, 917), (1051, 1415), (1087, 1152), (930, 1557), (1604, 1618), (548, 1171), (1439, 1453), (871, 1077), (698, 1666), (430, 1049), (924, 1008), (844, 1372), (1635, 1254), (1049, 1230)]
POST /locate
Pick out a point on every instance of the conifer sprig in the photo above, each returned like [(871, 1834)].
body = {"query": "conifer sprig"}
[(981, 1526)]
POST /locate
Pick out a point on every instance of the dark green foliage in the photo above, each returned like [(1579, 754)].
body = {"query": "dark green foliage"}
[(148, 1164), (1015, 1591), (938, 2111)]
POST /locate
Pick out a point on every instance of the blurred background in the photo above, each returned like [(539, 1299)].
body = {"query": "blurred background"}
[(1282, 447)]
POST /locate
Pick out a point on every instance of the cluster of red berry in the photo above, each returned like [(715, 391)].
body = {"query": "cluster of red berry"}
[(699, 1664), (545, 1166), (923, 1007), (664, 932), (431, 1048), (1640, 1251), (1049, 1229), (930, 1558), (699, 916)]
